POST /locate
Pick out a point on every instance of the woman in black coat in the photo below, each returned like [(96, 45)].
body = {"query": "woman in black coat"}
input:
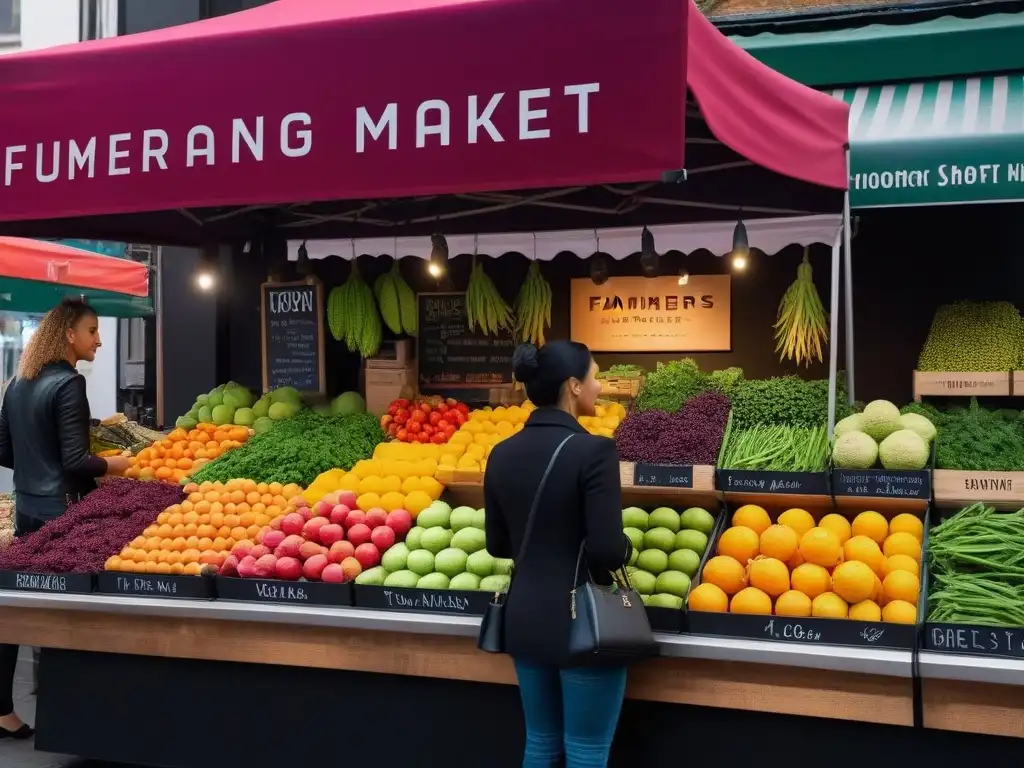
[(570, 711)]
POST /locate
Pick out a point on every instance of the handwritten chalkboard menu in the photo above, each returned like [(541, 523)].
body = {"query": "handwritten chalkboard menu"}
[(450, 355), (293, 343)]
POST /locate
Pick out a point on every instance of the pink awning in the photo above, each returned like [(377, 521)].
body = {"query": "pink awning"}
[(44, 262), (314, 100)]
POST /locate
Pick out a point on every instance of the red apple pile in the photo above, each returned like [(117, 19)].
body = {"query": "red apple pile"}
[(332, 542)]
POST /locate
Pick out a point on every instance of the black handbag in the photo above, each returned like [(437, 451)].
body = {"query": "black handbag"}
[(609, 623), (492, 628)]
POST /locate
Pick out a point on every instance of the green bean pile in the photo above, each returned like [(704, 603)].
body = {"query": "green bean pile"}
[(976, 561), (776, 448)]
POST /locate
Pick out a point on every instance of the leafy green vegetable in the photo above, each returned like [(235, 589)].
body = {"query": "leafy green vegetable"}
[(779, 448), (627, 371), (726, 380), (787, 400), (973, 336), (975, 438), (298, 449), (670, 385)]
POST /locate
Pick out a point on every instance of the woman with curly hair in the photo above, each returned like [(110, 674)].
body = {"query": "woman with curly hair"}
[(44, 438)]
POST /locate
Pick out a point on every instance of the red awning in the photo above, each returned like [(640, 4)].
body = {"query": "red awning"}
[(43, 262), (311, 100)]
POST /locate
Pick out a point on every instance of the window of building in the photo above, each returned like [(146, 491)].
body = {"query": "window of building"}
[(10, 20)]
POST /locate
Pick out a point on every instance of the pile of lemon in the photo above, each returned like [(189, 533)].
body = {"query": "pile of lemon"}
[(605, 420), (384, 483), (867, 569)]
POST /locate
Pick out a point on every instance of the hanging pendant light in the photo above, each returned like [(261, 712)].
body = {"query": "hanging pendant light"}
[(740, 246), (684, 276), (303, 265), (599, 271), (437, 266), (648, 254)]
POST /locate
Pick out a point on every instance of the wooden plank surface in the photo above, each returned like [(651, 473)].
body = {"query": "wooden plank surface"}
[(757, 687), (957, 705)]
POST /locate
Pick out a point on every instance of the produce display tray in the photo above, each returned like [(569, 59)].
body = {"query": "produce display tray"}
[(753, 482), (63, 583), (442, 601), (155, 585), (300, 592)]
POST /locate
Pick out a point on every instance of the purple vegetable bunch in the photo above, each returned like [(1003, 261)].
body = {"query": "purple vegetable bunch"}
[(691, 436), (93, 530)]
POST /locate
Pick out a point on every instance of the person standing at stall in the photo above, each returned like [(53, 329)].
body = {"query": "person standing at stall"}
[(571, 711), (44, 438)]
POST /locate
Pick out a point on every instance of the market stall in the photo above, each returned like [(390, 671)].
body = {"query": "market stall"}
[(277, 545)]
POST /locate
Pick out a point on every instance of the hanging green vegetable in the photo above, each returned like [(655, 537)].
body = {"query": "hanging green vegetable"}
[(533, 307), (801, 331)]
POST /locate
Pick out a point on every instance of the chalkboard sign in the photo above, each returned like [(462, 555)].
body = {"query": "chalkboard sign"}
[(445, 601), (293, 341), (882, 483), (68, 583), (752, 481), (153, 585), (450, 355), (807, 630), (974, 640), (663, 475), (284, 592)]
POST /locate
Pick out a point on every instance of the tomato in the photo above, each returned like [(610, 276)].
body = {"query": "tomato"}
[(422, 437), (438, 438), (462, 408), (428, 429), (460, 418), (434, 417), (414, 427), (401, 416), (385, 420), (392, 409), (419, 416), (402, 402), (402, 435), (392, 430), (442, 425)]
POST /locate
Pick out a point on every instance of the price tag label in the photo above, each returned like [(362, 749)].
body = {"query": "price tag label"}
[(880, 483), (975, 640), (750, 481), (663, 476)]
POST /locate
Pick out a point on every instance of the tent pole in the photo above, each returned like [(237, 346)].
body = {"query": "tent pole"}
[(833, 347), (848, 287)]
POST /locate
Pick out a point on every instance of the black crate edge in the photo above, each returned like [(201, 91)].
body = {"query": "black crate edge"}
[(279, 592), (809, 630), (669, 620), (56, 583), (748, 481), (414, 600), (157, 585), (974, 640)]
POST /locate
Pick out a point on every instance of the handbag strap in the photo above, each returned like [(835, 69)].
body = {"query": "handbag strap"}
[(536, 499)]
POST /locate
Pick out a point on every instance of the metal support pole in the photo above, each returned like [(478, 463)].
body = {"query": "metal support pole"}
[(848, 289), (833, 347)]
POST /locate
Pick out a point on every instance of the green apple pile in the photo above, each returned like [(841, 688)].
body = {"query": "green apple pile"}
[(446, 549), (232, 403), (667, 548)]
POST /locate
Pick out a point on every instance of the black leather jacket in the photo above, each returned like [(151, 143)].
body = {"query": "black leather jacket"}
[(44, 434)]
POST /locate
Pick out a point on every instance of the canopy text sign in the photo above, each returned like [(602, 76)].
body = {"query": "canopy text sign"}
[(641, 314)]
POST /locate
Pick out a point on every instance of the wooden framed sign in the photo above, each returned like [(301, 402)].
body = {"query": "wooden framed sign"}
[(450, 355), (291, 326), (653, 314)]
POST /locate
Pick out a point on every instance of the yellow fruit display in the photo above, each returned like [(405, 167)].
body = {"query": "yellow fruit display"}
[(725, 573), (708, 597), (865, 550), (821, 547), (853, 581), (769, 575), (866, 610), (900, 563), (872, 525), (740, 543), (799, 520), (901, 585), (907, 523), (793, 603), (780, 542), (811, 579), (750, 600), (753, 517), (829, 606), (899, 612), (902, 543), (838, 524)]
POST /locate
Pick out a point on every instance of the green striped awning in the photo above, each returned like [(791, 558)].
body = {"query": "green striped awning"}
[(936, 142)]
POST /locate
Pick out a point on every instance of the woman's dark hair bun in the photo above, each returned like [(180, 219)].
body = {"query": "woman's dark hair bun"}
[(525, 363)]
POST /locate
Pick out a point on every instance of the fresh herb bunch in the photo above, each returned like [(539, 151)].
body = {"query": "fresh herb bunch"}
[(298, 449), (785, 400), (726, 380), (776, 448), (670, 385), (626, 371), (975, 438)]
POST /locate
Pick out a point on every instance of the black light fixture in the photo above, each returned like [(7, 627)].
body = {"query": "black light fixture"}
[(648, 254), (740, 246), (303, 265), (599, 272), (437, 266)]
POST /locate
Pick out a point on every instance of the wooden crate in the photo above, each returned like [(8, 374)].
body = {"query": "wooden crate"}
[(958, 384), (954, 487), (621, 386), (703, 478), (1018, 383)]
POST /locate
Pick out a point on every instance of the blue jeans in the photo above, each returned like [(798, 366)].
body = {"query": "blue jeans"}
[(570, 713)]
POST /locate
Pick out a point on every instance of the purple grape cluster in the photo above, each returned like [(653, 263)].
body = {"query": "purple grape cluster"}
[(691, 436), (93, 530)]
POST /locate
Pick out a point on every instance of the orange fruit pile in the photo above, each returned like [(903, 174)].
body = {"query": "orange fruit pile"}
[(866, 569), (183, 452), (203, 529)]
